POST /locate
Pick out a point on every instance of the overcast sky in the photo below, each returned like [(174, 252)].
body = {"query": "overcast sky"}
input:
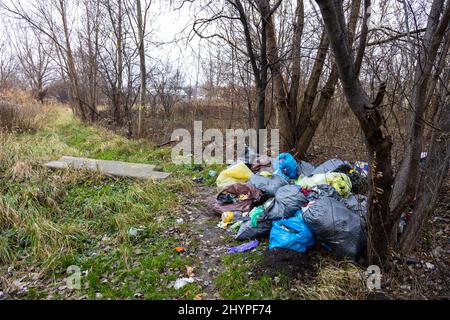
[(173, 25), (170, 27)]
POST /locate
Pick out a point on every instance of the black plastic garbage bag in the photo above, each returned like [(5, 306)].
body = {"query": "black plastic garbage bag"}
[(269, 186), (357, 203), (337, 226), (288, 200), (247, 232), (330, 165)]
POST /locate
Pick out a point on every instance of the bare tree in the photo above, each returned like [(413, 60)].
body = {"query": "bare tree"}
[(8, 68), (385, 206), (34, 54), (168, 87)]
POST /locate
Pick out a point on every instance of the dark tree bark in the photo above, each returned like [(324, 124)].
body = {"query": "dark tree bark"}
[(407, 176), (299, 119), (384, 211), (434, 172), (378, 140)]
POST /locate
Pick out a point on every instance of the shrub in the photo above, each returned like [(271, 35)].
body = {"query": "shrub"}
[(17, 118)]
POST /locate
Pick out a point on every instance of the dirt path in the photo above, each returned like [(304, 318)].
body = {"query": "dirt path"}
[(212, 242)]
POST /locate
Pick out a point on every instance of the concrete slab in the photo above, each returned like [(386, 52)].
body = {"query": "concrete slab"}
[(113, 168)]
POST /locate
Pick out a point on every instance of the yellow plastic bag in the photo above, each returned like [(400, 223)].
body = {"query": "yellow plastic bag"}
[(235, 174), (340, 181)]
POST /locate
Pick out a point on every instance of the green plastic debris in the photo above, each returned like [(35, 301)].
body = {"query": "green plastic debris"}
[(255, 214)]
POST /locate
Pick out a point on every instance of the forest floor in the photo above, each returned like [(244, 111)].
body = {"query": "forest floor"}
[(122, 233)]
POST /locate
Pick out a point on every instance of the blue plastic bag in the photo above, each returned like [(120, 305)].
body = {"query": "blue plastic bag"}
[(291, 234), (286, 165)]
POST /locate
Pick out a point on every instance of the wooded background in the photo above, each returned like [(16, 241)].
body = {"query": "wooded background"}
[(379, 69)]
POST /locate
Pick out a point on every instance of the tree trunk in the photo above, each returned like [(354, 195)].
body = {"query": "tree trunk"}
[(378, 141), (434, 173), (71, 69), (406, 179), (143, 74)]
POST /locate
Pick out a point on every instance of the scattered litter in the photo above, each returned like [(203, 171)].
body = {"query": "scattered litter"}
[(190, 271), (411, 261), (362, 167), (244, 247), (197, 168), (180, 220), (133, 232), (182, 282), (212, 173), (198, 180), (235, 226), (305, 168), (200, 296), (228, 218), (429, 266), (180, 249)]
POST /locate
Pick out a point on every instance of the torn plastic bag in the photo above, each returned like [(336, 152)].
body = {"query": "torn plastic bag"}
[(340, 181), (288, 200), (305, 168), (329, 166), (237, 173), (286, 165), (337, 226), (246, 196), (291, 234), (244, 247), (247, 232), (268, 186)]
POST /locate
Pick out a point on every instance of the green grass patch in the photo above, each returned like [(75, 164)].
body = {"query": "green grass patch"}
[(55, 219)]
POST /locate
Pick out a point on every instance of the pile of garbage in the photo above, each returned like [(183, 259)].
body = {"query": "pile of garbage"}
[(295, 204)]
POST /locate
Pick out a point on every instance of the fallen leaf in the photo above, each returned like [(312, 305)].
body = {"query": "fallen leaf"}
[(189, 271), (200, 296)]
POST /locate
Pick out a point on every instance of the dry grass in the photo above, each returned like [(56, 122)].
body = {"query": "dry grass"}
[(20, 112), (335, 282)]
